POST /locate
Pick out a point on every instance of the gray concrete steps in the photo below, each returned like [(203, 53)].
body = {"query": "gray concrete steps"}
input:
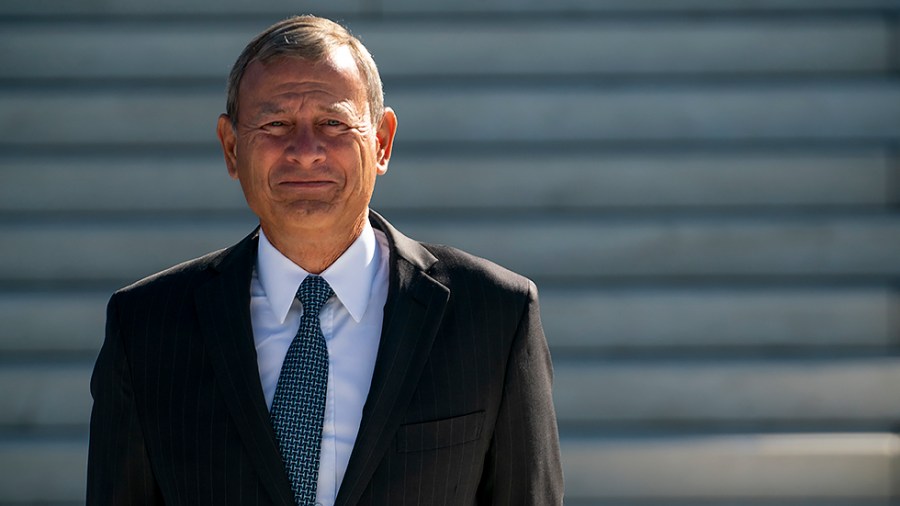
[(795, 111), (702, 393), (722, 392), (45, 395), (736, 320), (424, 48), (282, 8), (770, 469), (42, 470), (760, 467), (571, 248), (612, 7), (554, 180), (276, 9), (53, 322), (659, 320)]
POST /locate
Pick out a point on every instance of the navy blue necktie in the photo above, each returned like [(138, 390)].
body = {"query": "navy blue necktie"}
[(298, 408)]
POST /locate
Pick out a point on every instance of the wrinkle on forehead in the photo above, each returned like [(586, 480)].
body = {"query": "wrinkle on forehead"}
[(339, 61), (332, 85)]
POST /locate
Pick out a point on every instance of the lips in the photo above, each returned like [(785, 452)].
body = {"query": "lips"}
[(303, 179), (306, 184)]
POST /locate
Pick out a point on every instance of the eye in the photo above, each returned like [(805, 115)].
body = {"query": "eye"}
[(275, 127), (333, 122)]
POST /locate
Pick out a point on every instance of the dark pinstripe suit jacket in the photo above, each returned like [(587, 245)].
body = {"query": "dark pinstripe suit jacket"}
[(459, 410)]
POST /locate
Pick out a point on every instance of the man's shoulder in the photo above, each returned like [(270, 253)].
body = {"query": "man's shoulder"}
[(455, 266), (195, 271), (190, 272)]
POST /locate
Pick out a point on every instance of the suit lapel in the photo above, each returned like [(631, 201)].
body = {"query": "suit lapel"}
[(412, 316), (223, 308)]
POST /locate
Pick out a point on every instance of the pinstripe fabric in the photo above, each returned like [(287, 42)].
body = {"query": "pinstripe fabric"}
[(185, 371), (459, 411)]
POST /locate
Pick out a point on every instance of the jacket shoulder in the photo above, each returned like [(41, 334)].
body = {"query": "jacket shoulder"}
[(183, 274), (456, 265), (195, 271)]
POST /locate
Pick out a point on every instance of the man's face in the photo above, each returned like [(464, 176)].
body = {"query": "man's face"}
[(304, 147)]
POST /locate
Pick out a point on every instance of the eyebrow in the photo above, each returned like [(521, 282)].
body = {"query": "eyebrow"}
[(340, 107), (273, 108)]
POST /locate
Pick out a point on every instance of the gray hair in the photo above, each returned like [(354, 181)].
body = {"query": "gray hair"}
[(310, 38)]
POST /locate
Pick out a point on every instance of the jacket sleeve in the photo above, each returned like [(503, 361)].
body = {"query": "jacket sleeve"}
[(523, 464), (119, 470)]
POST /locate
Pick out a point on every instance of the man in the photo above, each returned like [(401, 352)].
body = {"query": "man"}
[(401, 373)]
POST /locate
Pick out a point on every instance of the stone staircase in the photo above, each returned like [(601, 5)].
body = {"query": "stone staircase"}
[(706, 193)]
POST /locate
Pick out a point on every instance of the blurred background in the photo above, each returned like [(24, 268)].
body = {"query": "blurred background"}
[(705, 191)]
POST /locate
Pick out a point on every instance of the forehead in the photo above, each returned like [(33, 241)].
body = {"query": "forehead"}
[(335, 77)]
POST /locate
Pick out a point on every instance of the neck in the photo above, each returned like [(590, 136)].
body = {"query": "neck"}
[(313, 251)]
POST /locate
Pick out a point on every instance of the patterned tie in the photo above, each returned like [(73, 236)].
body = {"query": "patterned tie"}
[(299, 404)]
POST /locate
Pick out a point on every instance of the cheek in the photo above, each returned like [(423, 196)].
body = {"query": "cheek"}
[(253, 160), (351, 154), (343, 145)]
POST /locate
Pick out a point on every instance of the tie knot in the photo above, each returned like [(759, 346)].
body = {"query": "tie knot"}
[(313, 293)]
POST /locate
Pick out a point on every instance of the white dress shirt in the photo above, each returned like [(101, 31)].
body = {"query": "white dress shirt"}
[(351, 323)]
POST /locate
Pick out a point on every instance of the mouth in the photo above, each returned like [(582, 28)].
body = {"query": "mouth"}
[(305, 183), (311, 184)]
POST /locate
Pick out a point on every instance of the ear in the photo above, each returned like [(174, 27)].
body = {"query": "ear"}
[(384, 138), (227, 138)]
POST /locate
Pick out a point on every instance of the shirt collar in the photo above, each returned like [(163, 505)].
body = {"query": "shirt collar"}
[(350, 276)]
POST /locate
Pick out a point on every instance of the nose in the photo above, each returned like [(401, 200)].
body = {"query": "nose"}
[(304, 147)]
